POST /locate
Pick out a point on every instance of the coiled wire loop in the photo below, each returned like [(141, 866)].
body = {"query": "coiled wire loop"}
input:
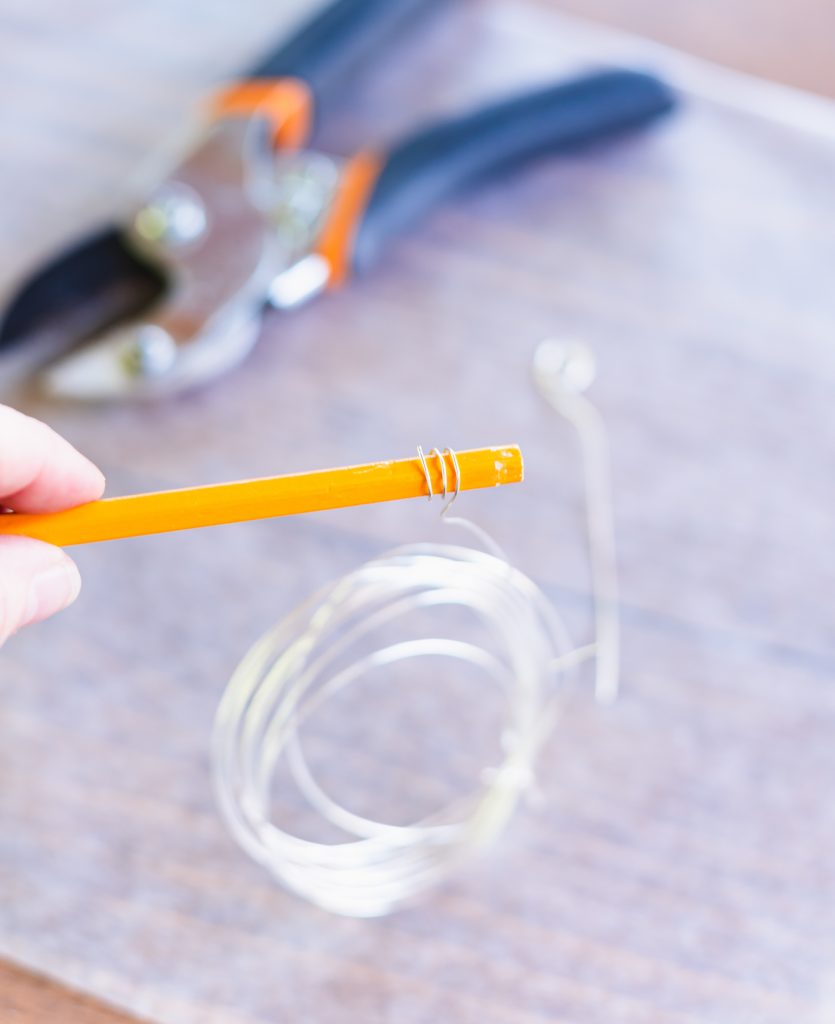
[(327, 644)]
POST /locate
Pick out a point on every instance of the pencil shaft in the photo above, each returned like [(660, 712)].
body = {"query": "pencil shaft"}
[(190, 508)]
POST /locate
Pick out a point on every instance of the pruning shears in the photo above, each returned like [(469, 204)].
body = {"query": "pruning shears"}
[(255, 218)]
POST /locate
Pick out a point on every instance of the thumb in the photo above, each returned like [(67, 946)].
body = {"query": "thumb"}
[(36, 580)]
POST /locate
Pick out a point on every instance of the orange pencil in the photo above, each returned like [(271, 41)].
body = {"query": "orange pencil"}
[(189, 508)]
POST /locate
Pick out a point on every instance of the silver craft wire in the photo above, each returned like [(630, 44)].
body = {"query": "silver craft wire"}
[(442, 464), (453, 458), (422, 458), (294, 668)]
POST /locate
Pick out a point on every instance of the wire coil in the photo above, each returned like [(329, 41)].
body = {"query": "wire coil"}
[(323, 647)]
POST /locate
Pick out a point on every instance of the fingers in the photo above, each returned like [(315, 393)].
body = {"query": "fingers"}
[(40, 471), (36, 580)]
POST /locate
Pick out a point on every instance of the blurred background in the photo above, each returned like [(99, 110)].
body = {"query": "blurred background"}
[(789, 41), (679, 864)]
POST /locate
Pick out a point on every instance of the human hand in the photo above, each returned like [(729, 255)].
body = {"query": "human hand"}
[(39, 472)]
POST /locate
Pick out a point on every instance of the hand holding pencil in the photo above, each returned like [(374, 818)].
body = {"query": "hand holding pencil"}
[(40, 473), (52, 491)]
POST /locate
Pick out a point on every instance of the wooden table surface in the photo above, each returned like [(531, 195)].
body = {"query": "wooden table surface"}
[(787, 41), (680, 866)]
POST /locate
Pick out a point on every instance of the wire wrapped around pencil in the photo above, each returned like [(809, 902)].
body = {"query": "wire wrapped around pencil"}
[(190, 508), (333, 641)]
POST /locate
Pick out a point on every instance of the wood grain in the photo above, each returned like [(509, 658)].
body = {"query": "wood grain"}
[(678, 867), (25, 997), (789, 42)]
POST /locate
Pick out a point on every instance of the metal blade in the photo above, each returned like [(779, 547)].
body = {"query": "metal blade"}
[(142, 361), (86, 289)]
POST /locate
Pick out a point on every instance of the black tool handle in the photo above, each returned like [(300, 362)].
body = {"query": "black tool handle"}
[(336, 39), (444, 157)]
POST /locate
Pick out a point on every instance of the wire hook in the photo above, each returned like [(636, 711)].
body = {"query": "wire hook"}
[(453, 458), (442, 464), (422, 458), (441, 455)]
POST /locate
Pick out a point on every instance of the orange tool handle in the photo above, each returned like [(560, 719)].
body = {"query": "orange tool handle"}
[(382, 194), (189, 508)]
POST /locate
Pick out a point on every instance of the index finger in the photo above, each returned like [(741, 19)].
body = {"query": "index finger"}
[(39, 470)]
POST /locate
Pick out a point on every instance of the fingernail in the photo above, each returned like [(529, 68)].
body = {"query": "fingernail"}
[(52, 590)]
